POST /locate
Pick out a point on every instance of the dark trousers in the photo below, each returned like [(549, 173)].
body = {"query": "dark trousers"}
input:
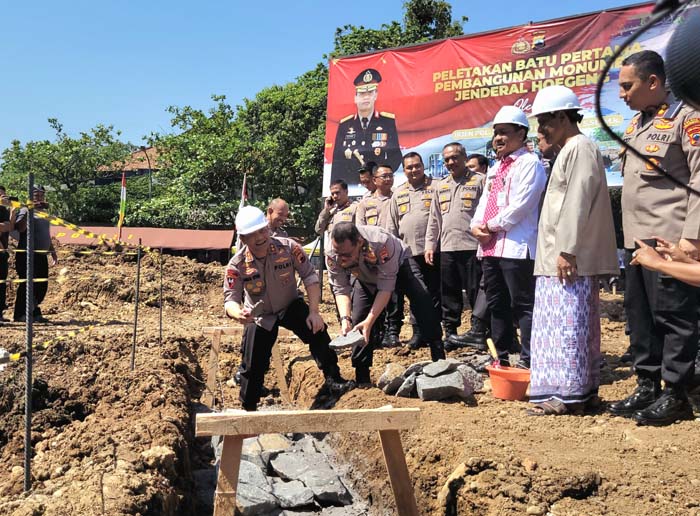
[(41, 270), (430, 274), (510, 294), (663, 319), (481, 307), (258, 349), (394, 312), (459, 270), (4, 257), (410, 281)]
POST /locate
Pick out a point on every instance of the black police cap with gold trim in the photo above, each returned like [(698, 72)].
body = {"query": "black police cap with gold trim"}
[(367, 80)]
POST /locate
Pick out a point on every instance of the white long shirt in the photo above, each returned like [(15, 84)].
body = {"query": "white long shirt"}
[(518, 212)]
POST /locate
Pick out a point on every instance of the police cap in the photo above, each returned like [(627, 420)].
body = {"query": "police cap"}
[(367, 80)]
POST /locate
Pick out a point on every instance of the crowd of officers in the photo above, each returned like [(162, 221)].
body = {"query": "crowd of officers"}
[(420, 241)]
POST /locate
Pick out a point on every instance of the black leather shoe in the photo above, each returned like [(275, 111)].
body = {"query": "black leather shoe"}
[(672, 406), (339, 385), (416, 341), (391, 340), (474, 339), (450, 342), (645, 394)]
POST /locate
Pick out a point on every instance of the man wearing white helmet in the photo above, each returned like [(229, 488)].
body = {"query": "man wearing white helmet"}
[(263, 270), (575, 245), (505, 224)]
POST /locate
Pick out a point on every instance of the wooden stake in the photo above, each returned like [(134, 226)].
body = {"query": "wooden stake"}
[(398, 473), (210, 395), (227, 482)]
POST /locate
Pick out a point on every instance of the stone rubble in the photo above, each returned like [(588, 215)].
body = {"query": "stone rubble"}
[(432, 381), (281, 476)]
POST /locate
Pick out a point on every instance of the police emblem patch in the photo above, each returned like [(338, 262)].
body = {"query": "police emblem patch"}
[(231, 277), (383, 254), (692, 130), (652, 148), (299, 254)]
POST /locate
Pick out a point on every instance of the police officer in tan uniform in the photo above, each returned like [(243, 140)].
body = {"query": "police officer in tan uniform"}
[(374, 210), (377, 260), (277, 215), (408, 220), (662, 311), (366, 174), (264, 270), (338, 207), (454, 201), (366, 135)]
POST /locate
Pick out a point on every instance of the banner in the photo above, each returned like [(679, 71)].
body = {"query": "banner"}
[(419, 98)]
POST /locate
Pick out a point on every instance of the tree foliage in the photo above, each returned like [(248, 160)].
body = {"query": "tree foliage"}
[(68, 167)]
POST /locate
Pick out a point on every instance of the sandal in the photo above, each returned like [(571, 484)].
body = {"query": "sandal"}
[(555, 408)]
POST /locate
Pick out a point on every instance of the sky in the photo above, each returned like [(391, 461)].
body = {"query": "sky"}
[(122, 63)]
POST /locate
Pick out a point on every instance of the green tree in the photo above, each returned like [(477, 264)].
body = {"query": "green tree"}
[(68, 167), (424, 20)]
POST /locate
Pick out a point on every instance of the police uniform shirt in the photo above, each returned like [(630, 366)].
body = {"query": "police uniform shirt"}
[(329, 218), (279, 232), (409, 212), (373, 211), (355, 146), (454, 204), (651, 203), (271, 279), (378, 265)]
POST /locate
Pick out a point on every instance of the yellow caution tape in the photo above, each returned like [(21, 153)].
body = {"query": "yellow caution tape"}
[(58, 221)]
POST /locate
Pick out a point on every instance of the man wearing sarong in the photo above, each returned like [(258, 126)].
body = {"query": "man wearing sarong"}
[(575, 245)]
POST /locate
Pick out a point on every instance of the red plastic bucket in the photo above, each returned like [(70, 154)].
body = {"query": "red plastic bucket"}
[(509, 383)]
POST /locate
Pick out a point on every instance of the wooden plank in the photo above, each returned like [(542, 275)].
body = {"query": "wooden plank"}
[(398, 473), (306, 421), (227, 481), (281, 377), (210, 395)]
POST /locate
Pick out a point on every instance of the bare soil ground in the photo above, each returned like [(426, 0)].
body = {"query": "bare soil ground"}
[(111, 441)]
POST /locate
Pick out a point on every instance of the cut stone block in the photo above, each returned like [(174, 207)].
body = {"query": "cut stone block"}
[(352, 339), (391, 373), (442, 387), (292, 494), (408, 387), (440, 367)]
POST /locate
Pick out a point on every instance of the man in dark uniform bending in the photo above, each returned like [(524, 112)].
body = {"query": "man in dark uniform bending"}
[(367, 135)]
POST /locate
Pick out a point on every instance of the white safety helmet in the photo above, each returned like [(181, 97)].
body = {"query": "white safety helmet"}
[(554, 98), (511, 115), (249, 219)]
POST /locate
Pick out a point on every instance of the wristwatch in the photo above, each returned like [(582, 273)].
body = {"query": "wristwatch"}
[(346, 318)]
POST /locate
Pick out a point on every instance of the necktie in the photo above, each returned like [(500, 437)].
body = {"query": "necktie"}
[(492, 207), (365, 122)]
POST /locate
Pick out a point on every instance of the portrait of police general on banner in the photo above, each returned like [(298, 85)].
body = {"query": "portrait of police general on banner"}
[(366, 135)]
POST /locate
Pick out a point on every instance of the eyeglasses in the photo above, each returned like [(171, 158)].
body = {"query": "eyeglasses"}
[(385, 177)]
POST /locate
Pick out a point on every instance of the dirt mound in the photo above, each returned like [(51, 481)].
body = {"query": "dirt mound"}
[(109, 441)]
